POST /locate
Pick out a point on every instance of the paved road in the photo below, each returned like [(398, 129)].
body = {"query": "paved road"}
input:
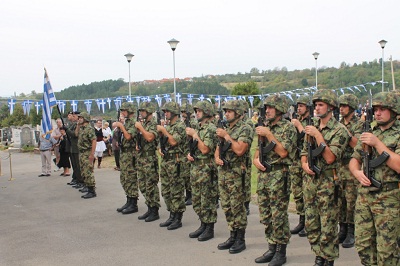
[(45, 222)]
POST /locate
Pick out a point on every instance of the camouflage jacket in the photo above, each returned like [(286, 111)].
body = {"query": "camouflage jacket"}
[(178, 132), (130, 127), (207, 134), (85, 138), (151, 127), (285, 132), (391, 138), (336, 138), (239, 132)]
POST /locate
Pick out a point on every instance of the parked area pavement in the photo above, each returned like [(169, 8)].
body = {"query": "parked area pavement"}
[(43, 222)]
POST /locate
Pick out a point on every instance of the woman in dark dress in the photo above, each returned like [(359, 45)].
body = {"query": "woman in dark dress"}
[(65, 148)]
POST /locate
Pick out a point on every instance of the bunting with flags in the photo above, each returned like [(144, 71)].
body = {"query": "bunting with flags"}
[(49, 100)]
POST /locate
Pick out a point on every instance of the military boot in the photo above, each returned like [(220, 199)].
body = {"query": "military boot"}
[(240, 243), (319, 261), (198, 231), (303, 233), (145, 215), (153, 214), (247, 206), (84, 189), (208, 233), (132, 208), (188, 198), (349, 241), (128, 202), (300, 226), (267, 256), (342, 232), (169, 220), (90, 194), (177, 222), (229, 242), (280, 256)]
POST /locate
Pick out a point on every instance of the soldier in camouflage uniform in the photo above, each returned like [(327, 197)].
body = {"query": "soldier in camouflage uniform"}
[(128, 175), (231, 160), (147, 162), (377, 211), (247, 184), (296, 172), (273, 188), (87, 147), (185, 167), (348, 104), (203, 172), (321, 191), (172, 182)]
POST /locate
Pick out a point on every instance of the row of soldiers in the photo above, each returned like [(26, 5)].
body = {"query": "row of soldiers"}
[(215, 155)]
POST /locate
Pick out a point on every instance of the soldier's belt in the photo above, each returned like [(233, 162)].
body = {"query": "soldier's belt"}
[(276, 167), (328, 172), (147, 153), (202, 161), (389, 186)]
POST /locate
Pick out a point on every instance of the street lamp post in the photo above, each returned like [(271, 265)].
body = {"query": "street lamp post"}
[(316, 69), (129, 57), (382, 43), (173, 43)]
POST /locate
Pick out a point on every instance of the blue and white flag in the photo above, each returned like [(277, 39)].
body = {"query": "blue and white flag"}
[(74, 105), (11, 104), (88, 104), (102, 104), (117, 102), (49, 100), (37, 106), (109, 103)]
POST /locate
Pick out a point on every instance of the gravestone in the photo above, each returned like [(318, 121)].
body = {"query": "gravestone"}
[(26, 136), (16, 137)]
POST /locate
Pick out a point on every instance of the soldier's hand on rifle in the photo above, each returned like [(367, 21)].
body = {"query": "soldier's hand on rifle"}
[(119, 124), (257, 163), (306, 168), (369, 139), (360, 176), (221, 133), (311, 131), (218, 161), (139, 125), (161, 129), (190, 158), (190, 131), (262, 131)]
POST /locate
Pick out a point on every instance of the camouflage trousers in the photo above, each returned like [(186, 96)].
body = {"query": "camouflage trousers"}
[(322, 215), (172, 185), (204, 191), (128, 175), (349, 195), (296, 179), (232, 196), (185, 173), (147, 171), (86, 169), (273, 203), (377, 220)]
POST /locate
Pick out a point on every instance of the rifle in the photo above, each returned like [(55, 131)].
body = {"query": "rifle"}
[(192, 143), (313, 151), (263, 148), (163, 139), (370, 164), (139, 136), (223, 145)]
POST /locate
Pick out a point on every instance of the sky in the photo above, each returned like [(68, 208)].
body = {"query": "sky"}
[(80, 42)]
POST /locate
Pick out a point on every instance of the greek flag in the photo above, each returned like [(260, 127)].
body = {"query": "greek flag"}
[(49, 100)]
